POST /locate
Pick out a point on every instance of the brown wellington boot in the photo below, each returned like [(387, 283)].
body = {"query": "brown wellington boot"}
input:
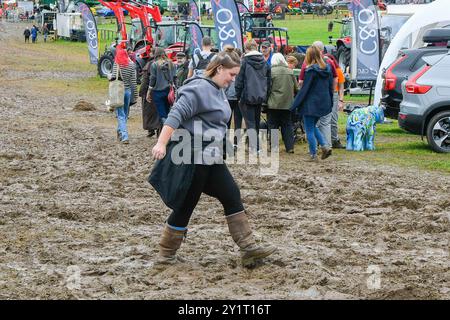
[(242, 234), (326, 152), (168, 245)]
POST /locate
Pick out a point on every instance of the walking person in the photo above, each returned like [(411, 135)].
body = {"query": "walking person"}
[(150, 117), (338, 105), (282, 90), (200, 60), (162, 76), (252, 85), (324, 123), (27, 34), (125, 68), (202, 100), (45, 32), (266, 50), (230, 92), (182, 69), (34, 32), (315, 100)]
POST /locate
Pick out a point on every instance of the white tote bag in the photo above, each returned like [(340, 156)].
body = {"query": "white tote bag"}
[(116, 92)]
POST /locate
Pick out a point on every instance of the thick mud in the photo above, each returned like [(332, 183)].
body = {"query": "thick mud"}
[(78, 219)]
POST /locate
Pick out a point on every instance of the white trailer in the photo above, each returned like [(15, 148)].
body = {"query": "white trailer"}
[(25, 6), (66, 22)]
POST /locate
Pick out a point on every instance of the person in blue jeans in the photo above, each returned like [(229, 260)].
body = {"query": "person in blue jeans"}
[(34, 32), (315, 100), (126, 73), (162, 75)]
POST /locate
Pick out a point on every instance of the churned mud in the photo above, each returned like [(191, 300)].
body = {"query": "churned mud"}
[(78, 219)]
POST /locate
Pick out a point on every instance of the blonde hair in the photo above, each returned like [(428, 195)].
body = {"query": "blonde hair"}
[(228, 60), (314, 56), (292, 60), (251, 45), (278, 60)]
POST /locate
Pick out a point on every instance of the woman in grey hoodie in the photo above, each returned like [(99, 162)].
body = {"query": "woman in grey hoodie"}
[(202, 109)]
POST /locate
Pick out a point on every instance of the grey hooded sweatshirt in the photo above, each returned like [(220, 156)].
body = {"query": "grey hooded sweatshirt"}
[(202, 102)]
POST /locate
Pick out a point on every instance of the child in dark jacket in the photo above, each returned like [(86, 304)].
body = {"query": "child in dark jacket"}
[(314, 100)]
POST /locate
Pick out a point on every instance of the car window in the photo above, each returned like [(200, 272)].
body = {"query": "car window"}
[(430, 57)]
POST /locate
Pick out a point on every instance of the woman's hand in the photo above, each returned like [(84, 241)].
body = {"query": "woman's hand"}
[(159, 151)]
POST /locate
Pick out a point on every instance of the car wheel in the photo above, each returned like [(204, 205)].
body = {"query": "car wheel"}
[(105, 65), (438, 132)]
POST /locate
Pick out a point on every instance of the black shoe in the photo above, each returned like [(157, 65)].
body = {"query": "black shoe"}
[(151, 133), (338, 145)]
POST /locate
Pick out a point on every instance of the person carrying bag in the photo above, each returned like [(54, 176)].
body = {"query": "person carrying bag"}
[(116, 92), (180, 185), (162, 73), (124, 67)]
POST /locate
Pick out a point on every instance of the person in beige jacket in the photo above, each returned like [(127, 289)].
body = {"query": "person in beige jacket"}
[(281, 95)]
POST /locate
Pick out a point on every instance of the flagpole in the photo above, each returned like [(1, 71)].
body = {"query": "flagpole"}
[(200, 12)]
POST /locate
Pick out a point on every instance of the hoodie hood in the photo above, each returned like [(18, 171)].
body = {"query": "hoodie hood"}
[(324, 73), (255, 59), (201, 78)]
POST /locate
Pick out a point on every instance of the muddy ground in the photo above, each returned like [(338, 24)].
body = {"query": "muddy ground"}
[(79, 221)]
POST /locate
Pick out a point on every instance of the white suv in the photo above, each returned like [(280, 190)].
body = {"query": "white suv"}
[(425, 108)]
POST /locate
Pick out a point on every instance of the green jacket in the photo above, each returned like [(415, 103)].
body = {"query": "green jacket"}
[(283, 89)]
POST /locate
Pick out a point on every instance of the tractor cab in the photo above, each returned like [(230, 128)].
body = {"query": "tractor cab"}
[(251, 20), (278, 38), (177, 36)]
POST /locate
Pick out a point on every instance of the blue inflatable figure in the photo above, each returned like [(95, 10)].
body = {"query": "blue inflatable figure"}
[(361, 127)]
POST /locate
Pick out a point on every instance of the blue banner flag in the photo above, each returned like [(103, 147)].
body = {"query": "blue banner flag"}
[(196, 36), (366, 41), (227, 22), (194, 10), (90, 27)]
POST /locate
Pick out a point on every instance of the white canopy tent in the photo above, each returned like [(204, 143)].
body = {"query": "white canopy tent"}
[(432, 15)]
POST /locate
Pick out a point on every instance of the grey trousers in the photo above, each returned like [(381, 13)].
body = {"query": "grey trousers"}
[(328, 123), (334, 118)]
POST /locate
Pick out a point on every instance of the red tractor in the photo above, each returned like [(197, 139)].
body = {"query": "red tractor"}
[(260, 6), (141, 44), (177, 36)]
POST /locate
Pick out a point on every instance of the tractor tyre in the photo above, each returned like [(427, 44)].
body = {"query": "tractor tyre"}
[(105, 65), (343, 56)]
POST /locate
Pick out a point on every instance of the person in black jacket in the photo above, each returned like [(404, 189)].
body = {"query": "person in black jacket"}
[(252, 86), (27, 34), (315, 100)]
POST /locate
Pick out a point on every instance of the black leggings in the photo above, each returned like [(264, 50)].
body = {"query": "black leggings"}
[(214, 180)]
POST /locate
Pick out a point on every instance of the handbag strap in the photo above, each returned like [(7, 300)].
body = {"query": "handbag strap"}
[(118, 71), (169, 68)]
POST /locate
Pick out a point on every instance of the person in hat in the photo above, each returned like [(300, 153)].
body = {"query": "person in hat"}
[(266, 50), (182, 69)]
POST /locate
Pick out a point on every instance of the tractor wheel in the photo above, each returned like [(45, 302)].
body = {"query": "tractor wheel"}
[(343, 56), (105, 65)]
